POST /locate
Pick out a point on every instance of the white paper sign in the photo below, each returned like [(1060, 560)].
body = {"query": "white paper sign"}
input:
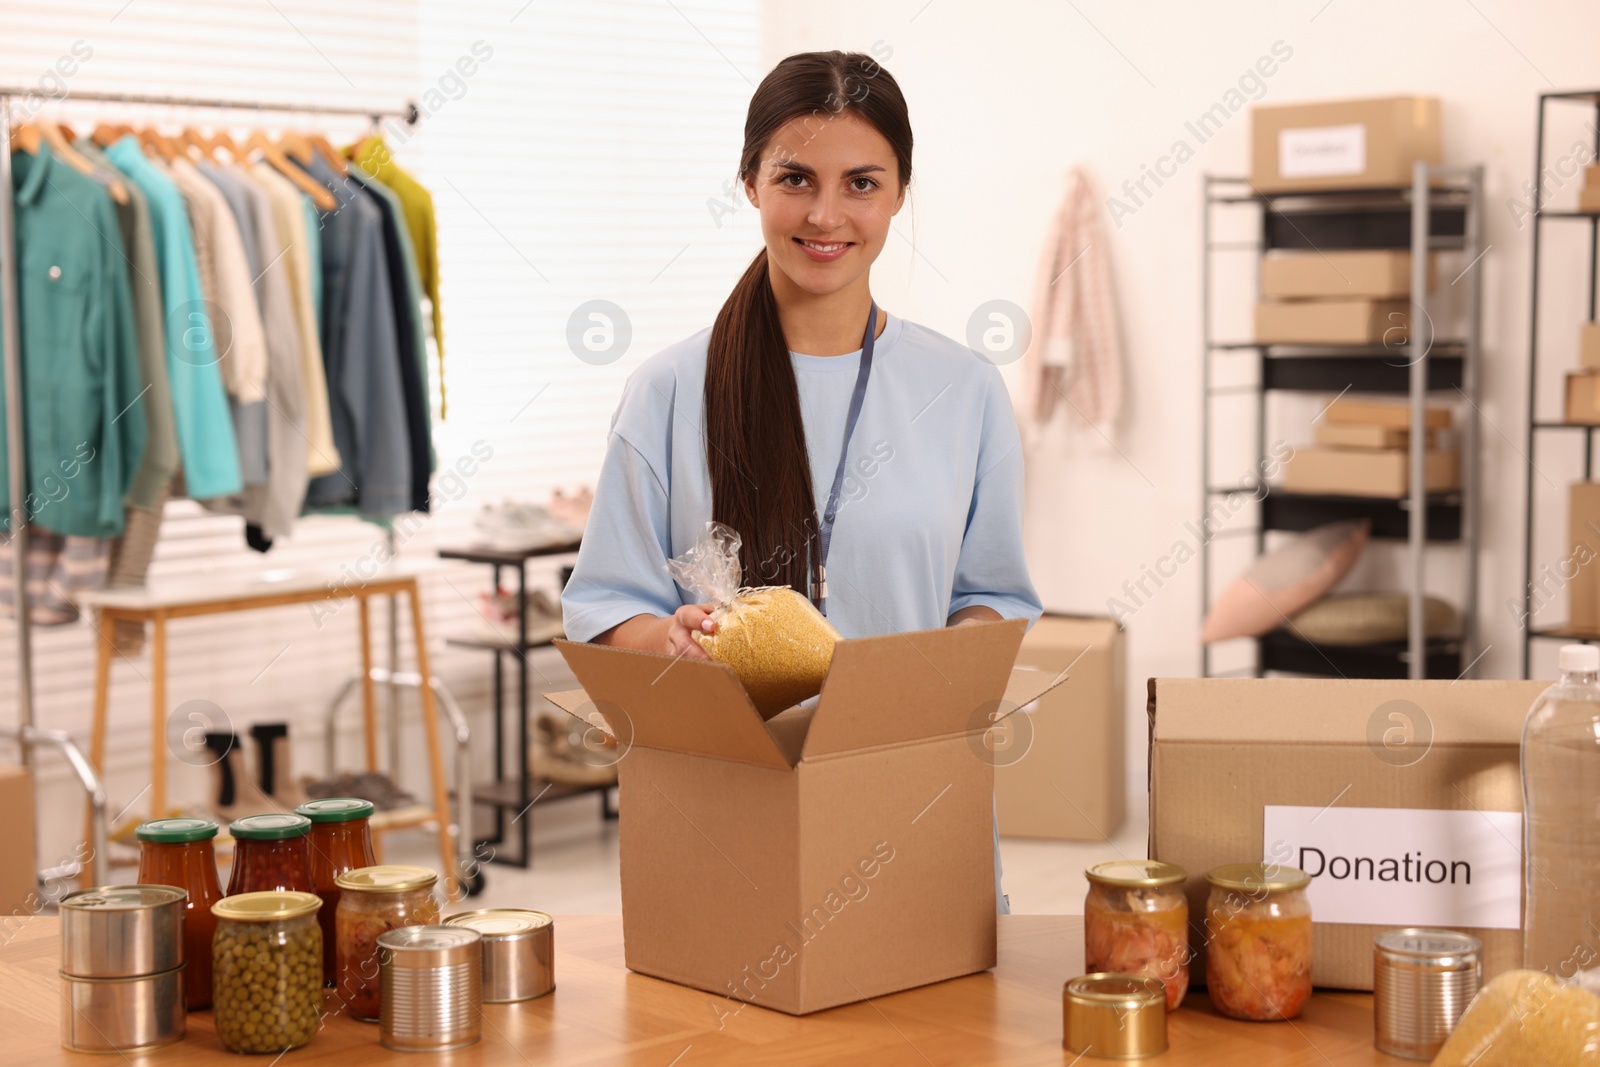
[(1322, 151), (1403, 866)]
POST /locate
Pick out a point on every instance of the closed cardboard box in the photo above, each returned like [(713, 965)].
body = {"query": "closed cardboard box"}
[(1372, 273), (1583, 397), (827, 855), (1589, 198), (1589, 346), (1059, 761), (1342, 144), (1349, 775), (1582, 563), (1385, 413), (1361, 435), (1331, 322), (1591, 176), (19, 872), (1378, 472)]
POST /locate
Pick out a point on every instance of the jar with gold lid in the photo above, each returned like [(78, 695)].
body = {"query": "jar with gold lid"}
[(1258, 941), (266, 965), (1136, 921), (373, 901)]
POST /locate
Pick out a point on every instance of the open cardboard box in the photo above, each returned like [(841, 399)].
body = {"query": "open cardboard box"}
[(829, 854)]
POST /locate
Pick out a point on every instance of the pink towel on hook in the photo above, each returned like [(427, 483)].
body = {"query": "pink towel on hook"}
[(1076, 352)]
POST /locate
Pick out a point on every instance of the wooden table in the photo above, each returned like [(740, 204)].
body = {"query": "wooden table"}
[(159, 603), (600, 1013)]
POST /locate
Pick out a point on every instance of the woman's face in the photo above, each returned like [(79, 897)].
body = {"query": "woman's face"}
[(826, 187)]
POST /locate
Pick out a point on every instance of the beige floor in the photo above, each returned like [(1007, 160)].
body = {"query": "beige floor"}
[(575, 864)]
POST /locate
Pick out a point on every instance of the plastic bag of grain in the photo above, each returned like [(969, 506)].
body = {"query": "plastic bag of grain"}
[(776, 641), (1526, 1019)]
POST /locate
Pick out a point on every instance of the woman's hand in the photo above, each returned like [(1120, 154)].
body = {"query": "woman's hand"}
[(686, 621)]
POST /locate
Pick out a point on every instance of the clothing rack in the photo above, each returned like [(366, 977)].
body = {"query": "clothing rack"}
[(26, 734)]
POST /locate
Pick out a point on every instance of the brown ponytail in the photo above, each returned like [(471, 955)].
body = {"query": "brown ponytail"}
[(755, 437)]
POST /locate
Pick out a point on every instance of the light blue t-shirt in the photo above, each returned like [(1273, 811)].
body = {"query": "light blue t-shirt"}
[(930, 515)]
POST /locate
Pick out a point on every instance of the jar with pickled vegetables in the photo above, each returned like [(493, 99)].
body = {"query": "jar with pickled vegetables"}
[(1136, 921), (266, 965), (270, 854), (340, 841), (1258, 941), (179, 852), (373, 901)]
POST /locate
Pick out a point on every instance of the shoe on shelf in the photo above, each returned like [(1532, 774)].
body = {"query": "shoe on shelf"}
[(274, 770), (234, 794), (558, 754), (374, 786), (498, 612), (511, 526), (572, 508)]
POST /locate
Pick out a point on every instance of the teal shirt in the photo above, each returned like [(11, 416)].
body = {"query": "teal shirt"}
[(85, 431), (199, 403), (314, 252)]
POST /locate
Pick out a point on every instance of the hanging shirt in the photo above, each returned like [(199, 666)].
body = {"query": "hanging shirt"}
[(930, 515), (200, 405), (85, 433), (374, 157)]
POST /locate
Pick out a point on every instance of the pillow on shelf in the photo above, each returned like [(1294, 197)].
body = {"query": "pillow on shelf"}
[(1285, 580), (1365, 618)]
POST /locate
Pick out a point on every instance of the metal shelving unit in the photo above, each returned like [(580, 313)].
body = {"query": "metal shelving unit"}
[(1441, 211), (1539, 428)]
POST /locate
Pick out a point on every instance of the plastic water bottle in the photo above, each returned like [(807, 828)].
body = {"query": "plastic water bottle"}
[(1561, 820)]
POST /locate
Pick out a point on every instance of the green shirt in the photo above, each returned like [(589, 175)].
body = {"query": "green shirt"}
[(85, 432)]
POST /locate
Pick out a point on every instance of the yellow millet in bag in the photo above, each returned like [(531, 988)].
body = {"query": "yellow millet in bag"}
[(775, 640), (1526, 1019)]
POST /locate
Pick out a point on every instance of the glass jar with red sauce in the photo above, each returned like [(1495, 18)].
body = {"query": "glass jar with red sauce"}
[(179, 852), (340, 841), (270, 854)]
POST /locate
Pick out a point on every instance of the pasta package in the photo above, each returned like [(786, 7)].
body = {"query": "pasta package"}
[(1526, 1019), (777, 643)]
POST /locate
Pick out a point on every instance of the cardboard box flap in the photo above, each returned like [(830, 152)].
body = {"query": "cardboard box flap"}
[(1026, 685), (913, 686), (665, 702)]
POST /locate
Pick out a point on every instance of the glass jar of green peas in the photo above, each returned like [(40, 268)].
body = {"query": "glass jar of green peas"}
[(266, 966)]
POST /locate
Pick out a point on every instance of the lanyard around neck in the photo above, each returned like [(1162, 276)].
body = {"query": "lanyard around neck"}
[(819, 575)]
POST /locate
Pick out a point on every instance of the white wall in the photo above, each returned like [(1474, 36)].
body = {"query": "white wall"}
[(1006, 96)]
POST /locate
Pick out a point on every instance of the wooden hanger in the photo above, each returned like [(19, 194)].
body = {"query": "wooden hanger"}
[(318, 193), (67, 131), (109, 133), (73, 158), (193, 138), (328, 153), (26, 138), (296, 148), (224, 140), (156, 142)]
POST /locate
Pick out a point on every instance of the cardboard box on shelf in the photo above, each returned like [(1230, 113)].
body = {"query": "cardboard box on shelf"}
[(1591, 176), (1331, 322), (1583, 552), (1374, 472), (828, 855), (1059, 762), (1342, 144), (1386, 413), (1363, 784), (1589, 198), (1583, 397), (1370, 273), (1362, 435), (1589, 346), (20, 871)]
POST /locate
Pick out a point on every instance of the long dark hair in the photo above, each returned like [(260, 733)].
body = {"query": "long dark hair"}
[(755, 438)]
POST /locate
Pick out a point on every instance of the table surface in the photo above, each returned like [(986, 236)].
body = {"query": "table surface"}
[(600, 1013), (214, 588)]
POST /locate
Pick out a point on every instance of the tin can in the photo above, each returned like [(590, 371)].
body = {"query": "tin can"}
[(518, 952), (432, 988), (1114, 1016), (124, 1015), (122, 931), (1422, 980)]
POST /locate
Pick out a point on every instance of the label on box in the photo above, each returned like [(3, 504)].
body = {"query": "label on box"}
[(1403, 866), (1322, 151)]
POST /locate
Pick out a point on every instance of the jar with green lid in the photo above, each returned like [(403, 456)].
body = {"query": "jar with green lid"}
[(373, 901), (267, 971), (1136, 921), (1258, 941), (270, 854), (179, 852), (340, 841)]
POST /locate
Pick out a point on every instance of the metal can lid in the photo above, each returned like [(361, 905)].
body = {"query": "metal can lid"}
[(176, 831), (501, 922), (267, 906), (277, 826), (1136, 874), (427, 938), (386, 878), (123, 897), (1428, 944), (336, 809), (1111, 989), (1258, 877)]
